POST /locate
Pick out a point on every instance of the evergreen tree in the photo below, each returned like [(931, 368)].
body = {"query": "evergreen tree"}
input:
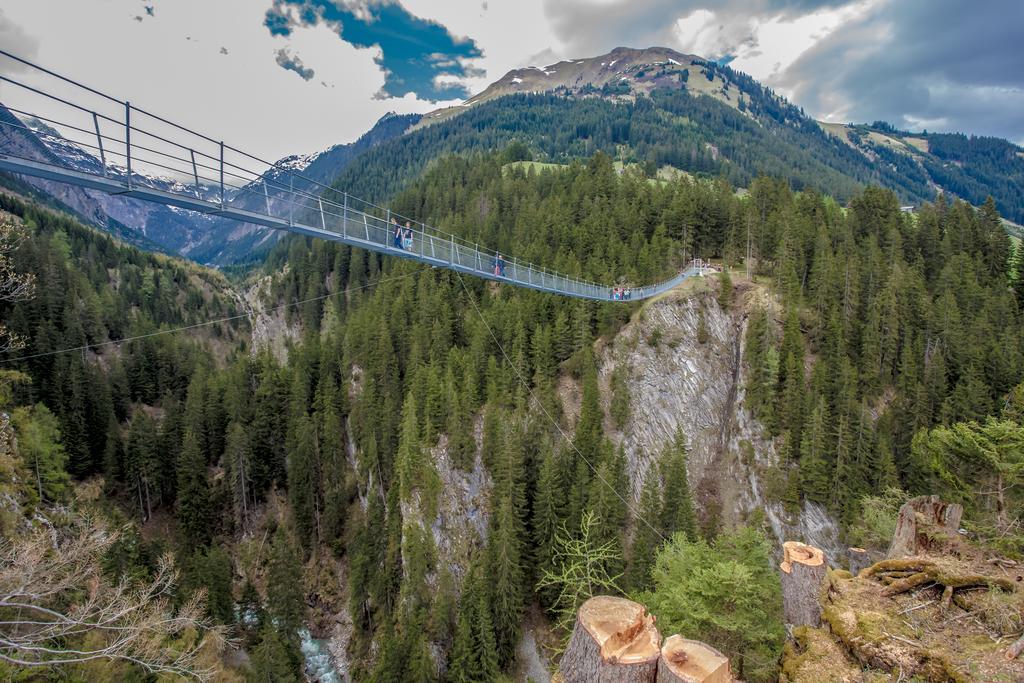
[(725, 289), (646, 535), (304, 477), (140, 467), (211, 569), (507, 577), (272, 660), (816, 466), (193, 513), (729, 592), (548, 506), (677, 511), (238, 465), (285, 602)]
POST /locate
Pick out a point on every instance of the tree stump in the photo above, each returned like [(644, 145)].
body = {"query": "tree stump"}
[(922, 524), (691, 661), (614, 641), (803, 580), (859, 559)]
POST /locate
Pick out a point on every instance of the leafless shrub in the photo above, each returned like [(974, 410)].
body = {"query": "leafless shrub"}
[(57, 608)]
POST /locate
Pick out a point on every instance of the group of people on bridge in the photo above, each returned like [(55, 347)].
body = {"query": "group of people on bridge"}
[(402, 236), (621, 293)]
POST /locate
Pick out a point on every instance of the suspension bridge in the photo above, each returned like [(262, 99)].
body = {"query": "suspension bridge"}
[(126, 144)]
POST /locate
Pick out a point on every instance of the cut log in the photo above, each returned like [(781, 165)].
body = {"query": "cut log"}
[(859, 559), (614, 641), (1014, 650), (691, 661), (803, 582), (923, 523)]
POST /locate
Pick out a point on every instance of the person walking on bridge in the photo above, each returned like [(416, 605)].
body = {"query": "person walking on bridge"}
[(407, 242), (397, 233), (499, 266)]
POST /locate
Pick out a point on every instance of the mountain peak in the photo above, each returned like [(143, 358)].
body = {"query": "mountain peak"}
[(623, 72)]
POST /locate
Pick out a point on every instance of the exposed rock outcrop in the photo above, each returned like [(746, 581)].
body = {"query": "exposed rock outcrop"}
[(682, 359)]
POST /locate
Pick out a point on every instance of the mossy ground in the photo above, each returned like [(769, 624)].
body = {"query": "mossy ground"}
[(911, 636)]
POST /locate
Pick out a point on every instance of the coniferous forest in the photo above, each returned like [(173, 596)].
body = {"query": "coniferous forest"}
[(288, 485)]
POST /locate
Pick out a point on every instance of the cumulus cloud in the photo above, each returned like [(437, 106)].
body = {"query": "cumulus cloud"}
[(941, 65), (589, 28), (16, 41), (416, 55), (291, 62)]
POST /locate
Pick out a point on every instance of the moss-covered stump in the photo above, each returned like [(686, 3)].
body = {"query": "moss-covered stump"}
[(933, 618), (925, 524)]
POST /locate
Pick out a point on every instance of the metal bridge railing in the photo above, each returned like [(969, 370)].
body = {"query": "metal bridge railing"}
[(122, 145)]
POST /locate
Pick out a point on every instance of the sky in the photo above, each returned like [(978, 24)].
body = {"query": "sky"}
[(280, 77)]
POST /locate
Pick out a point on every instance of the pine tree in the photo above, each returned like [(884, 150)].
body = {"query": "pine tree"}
[(548, 509), (728, 591), (193, 514), (816, 467), (588, 443), (507, 577), (272, 661), (285, 602), (646, 535), (677, 513), (461, 441), (606, 501), (789, 385), (140, 467), (303, 478), (485, 649), (420, 667), (238, 463), (579, 571), (211, 569), (462, 666), (335, 470), (725, 289), (763, 362)]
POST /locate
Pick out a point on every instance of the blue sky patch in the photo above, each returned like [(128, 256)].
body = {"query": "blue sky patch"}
[(418, 56)]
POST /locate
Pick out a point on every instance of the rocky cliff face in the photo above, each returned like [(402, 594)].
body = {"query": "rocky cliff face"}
[(681, 362)]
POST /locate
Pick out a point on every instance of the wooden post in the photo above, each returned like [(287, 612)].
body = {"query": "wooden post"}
[(859, 559), (803, 579), (923, 511), (614, 641), (691, 661)]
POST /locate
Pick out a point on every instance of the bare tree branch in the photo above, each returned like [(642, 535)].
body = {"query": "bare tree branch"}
[(53, 594)]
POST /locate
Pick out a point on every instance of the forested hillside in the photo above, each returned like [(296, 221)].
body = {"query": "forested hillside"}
[(672, 124), (906, 323), (415, 464)]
